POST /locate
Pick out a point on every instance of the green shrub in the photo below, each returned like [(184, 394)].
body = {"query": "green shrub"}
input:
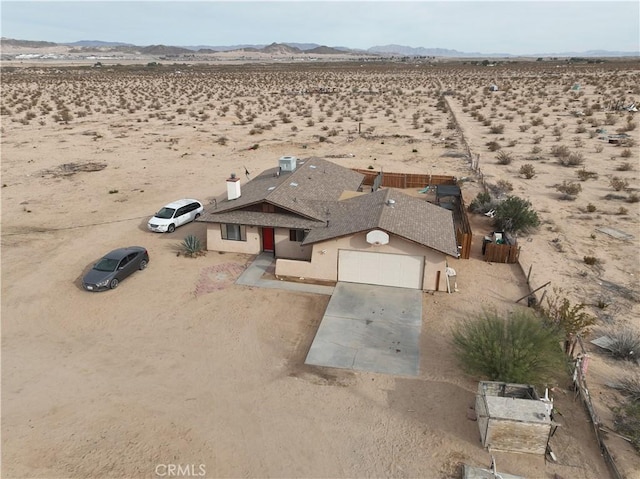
[(516, 215), (192, 246), (481, 203), (516, 349)]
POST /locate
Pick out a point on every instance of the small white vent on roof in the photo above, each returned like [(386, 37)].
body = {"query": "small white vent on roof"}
[(313, 166), (271, 188), (293, 184)]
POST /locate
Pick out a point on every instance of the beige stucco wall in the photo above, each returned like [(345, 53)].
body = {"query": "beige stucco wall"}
[(285, 248), (324, 259), (253, 245)]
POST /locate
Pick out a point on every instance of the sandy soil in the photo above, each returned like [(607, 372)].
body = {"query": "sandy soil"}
[(181, 366)]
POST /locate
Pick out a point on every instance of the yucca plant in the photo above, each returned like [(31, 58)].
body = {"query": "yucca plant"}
[(192, 246), (518, 348)]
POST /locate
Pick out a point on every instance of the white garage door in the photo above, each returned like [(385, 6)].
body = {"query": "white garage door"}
[(380, 268)]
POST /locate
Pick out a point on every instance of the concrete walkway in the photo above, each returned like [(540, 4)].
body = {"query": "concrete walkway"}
[(252, 276)]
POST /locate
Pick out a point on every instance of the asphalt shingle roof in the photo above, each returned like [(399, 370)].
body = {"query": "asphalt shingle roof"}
[(311, 193), (394, 212), (305, 191)]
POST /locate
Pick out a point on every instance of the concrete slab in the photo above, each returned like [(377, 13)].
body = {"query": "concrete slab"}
[(370, 328)]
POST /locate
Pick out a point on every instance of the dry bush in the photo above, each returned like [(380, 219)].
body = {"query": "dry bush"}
[(569, 189), (528, 171), (584, 175), (496, 129), (504, 158), (493, 146), (619, 184)]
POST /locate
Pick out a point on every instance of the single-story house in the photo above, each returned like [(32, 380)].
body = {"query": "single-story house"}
[(315, 219)]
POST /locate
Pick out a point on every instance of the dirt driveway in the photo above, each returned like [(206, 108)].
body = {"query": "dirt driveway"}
[(181, 366)]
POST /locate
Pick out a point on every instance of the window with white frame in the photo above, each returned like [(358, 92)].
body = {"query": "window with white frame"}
[(233, 232)]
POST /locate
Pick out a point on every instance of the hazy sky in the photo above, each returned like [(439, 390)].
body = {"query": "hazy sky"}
[(517, 27)]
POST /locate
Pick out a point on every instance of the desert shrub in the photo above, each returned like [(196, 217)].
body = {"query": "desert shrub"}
[(192, 246), (591, 260), (496, 129), (626, 153), (598, 148), (574, 159), (222, 141), (626, 421), (629, 386), (528, 171), (535, 150), (633, 198), (569, 318), (518, 348), (482, 203), (560, 151), (493, 146), (569, 189), (625, 344), (504, 158), (584, 175), (516, 215), (622, 211), (591, 208), (503, 186), (618, 184), (626, 166)]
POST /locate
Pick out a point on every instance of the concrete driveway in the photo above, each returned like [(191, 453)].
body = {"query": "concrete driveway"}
[(370, 328)]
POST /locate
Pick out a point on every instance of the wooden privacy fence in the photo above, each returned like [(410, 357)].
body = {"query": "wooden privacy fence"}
[(406, 180), (414, 180), (463, 228), (501, 253)]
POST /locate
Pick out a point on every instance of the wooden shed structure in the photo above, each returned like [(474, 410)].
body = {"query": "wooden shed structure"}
[(513, 418)]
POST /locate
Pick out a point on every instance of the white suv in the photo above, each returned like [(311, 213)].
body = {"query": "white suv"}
[(175, 214)]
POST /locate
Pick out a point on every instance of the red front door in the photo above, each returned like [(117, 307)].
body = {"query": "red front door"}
[(268, 239)]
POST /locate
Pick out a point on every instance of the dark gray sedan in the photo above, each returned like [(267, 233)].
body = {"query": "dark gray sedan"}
[(114, 267)]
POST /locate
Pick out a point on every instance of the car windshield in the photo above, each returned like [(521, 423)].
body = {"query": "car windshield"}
[(165, 213), (106, 264)]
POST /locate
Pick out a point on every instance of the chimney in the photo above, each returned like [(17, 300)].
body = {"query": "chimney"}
[(233, 187)]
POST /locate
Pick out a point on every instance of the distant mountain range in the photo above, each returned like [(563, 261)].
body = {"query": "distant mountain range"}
[(88, 46)]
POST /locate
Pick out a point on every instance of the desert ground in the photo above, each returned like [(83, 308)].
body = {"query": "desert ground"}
[(181, 366)]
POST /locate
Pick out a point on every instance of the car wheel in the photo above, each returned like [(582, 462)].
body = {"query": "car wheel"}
[(197, 215), (143, 264), (114, 283), (171, 228)]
